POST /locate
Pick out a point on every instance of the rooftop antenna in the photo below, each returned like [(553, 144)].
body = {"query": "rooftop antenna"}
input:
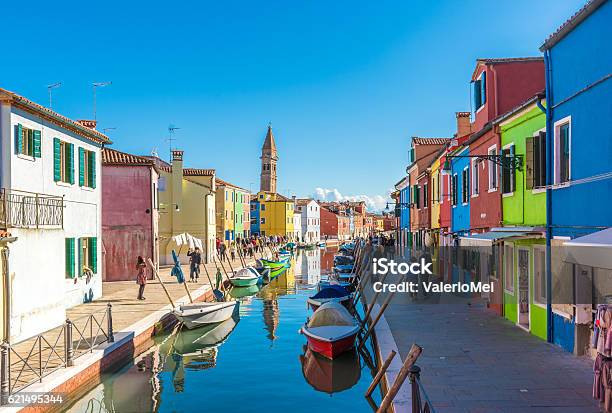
[(107, 129), (50, 88), (95, 86), (154, 152), (171, 138)]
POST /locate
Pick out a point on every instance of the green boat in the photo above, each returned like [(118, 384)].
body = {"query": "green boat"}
[(274, 265), (274, 274)]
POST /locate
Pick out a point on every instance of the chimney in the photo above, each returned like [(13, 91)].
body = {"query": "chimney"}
[(91, 124), (177, 188), (463, 124)]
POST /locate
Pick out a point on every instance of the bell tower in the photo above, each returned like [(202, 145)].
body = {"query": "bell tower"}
[(268, 158)]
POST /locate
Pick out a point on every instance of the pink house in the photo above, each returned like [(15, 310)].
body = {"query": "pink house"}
[(129, 213)]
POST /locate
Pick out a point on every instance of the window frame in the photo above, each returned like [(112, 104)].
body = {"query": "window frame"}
[(493, 170), (465, 185), (475, 178), (538, 299), (557, 148), (512, 171)]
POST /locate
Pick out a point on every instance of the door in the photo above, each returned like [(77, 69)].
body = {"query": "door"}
[(523, 287)]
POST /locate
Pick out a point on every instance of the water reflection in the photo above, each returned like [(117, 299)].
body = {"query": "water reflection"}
[(199, 367), (331, 376)]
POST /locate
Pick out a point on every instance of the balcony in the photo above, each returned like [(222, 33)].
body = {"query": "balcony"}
[(20, 209)]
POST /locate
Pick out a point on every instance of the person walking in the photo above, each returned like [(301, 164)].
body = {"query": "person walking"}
[(222, 252), (233, 250), (141, 277), (195, 259)]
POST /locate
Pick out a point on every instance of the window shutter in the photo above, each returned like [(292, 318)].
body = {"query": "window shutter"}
[(92, 169), (18, 138), (36, 141), (71, 163), (57, 160), (81, 166), (80, 256), (531, 153), (483, 88), (70, 257), (505, 172), (93, 254), (542, 159), (512, 170), (477, 96)]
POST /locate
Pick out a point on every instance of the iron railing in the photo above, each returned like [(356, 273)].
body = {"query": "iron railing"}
[(29, 361), (420, 401), (20, 209)]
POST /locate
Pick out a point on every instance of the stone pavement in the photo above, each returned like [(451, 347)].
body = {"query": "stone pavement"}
[(475, 361)]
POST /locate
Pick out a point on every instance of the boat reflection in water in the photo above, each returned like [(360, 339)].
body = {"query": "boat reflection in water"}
[(242, 292), (331, 376)]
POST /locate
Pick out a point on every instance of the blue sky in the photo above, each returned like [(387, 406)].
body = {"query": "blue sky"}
[(344, 83)]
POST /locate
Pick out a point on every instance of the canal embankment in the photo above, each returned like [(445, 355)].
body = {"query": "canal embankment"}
[(134, 324)]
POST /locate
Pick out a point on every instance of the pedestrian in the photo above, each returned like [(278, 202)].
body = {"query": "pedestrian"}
[(222, 252), (233, 250), (195, 259), (141, 277)]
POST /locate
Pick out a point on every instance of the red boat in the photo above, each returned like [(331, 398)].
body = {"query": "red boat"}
[(331, 331)]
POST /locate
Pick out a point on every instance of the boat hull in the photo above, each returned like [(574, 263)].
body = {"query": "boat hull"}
[(331, 349), (316, 303), (194, 316)]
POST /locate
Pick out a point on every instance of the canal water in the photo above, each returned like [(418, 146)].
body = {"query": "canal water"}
[(254, 362)]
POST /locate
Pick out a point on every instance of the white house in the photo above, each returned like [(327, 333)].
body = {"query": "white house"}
[(297, 226), (310, 211), (50, 200)]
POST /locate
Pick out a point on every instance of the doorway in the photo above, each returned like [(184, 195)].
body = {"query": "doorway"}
[(523, 287)]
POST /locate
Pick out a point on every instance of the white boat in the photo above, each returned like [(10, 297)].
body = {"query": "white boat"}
[(199, 314)]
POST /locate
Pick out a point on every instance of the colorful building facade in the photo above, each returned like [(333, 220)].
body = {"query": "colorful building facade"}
[(232, 205), (275, 213)]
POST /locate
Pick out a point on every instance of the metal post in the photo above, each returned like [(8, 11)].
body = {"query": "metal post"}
[(5, 380), (109, 322), (413, 376), (68, 344), (36, 201)]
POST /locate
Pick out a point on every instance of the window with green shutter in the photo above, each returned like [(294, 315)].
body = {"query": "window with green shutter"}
[(87, 168), (70, 272), (93, 254), (63, 161), (27, 141)]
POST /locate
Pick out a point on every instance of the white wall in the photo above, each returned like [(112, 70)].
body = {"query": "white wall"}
[(311, 222), (40, 291)]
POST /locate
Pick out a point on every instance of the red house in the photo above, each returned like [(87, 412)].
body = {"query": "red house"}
[(498, 86), (329, 224), (129, 213)]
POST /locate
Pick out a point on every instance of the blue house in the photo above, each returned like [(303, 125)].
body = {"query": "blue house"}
[(460, 191), (578, 60), (403, 186), (255, 207)]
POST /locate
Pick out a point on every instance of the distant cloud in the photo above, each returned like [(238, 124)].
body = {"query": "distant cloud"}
[(374, 203)]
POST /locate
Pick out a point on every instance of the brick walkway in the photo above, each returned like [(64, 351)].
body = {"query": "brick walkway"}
[(475, 361)]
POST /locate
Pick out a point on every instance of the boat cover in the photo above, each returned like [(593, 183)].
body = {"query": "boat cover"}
[(244, 273), (331, 314), (332, 291)]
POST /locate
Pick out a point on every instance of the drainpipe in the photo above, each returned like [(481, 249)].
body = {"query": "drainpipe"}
[(6, 292), (549, 181)]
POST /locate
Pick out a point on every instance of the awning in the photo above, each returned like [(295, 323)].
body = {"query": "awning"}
[(500, 234), (593, 250)]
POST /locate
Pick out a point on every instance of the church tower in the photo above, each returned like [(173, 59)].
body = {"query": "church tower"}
[(268, 163)]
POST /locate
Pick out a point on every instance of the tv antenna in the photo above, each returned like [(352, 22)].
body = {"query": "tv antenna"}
[(50, 88), (154, 152), (107, 129), (171, 138)]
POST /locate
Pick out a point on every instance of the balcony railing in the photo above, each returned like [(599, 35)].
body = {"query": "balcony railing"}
[(20, 209)]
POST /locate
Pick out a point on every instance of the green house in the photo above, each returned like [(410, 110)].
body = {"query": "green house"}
[(523, 136)]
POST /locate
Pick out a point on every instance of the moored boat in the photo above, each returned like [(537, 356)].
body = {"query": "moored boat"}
[(333, 293), (331, 331), (195, 315), (273, 265), (245, 277), (328, 283)]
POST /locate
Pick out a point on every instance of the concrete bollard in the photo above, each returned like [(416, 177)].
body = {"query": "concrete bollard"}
[(109, 322), (69, 351)]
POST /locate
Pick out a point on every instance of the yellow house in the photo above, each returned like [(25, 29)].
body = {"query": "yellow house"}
[(275, 214), (379, 224), (186, 205), (232, 205), (436, 192)]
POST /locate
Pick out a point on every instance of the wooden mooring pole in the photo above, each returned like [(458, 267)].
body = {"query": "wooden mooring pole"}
[(413, 355), (380, 373)]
